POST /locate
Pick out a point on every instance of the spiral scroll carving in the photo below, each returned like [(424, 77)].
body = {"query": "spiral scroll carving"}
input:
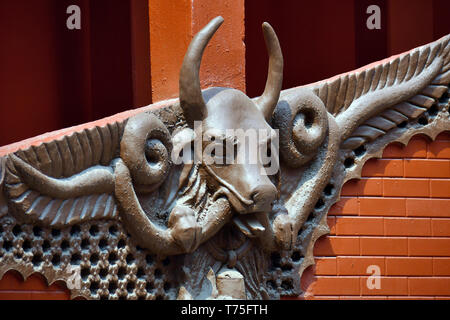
[(301, 118), (145, 148)]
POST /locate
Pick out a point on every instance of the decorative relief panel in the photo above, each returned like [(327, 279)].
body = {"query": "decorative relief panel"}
[(157, 207)]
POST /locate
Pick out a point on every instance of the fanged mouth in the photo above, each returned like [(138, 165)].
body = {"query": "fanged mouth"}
[(248, 223)]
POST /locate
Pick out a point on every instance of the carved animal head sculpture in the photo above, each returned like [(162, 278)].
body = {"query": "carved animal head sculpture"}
[(187, 221), (242, 192), (223, 113)]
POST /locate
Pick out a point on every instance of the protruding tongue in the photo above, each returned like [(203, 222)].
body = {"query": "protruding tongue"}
[(249, 225)]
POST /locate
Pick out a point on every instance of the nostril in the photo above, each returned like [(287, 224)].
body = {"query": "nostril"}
[(263, 196), (254, 196)]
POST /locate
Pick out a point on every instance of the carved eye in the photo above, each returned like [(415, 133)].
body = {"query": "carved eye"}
[(232, 148), (220, 151), (269, 157), (227, 151), (213, 152), (266, 154), (269, 149), (187, 153)]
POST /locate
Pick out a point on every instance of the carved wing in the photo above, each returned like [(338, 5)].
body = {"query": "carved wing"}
[(65, 181), (329, 129), (370, 102)]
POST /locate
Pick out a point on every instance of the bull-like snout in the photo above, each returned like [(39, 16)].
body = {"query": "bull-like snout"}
[(263, 197), (246, 185), (257, 188), (252, 192)]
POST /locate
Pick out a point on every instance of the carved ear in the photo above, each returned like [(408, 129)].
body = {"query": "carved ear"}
[(146, 148), (302, 121), (182, 146)]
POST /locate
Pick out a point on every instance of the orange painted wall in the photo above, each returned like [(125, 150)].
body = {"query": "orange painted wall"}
[(172, 26), (397, 217)]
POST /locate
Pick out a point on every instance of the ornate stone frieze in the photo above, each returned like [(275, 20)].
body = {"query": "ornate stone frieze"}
[(158, 206)]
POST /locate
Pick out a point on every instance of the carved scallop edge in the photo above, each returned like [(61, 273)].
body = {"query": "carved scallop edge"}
[(51, 275), (375, 150)]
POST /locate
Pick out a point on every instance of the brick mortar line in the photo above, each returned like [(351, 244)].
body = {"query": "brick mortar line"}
[(404, 178), (396, 178), (395, 236), (350, 215), (367, 296), (405, 256)]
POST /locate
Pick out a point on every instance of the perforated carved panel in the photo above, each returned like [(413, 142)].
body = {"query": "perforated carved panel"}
[(110, 265)]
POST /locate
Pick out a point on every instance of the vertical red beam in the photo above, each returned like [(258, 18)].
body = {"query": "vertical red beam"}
[(370, 44), (410, 24), (172, 26), (223, 62), (317, 39), (73, 63), (441, 19), (52, 77), (111, 77), (29, 103), (119, 49), (140, 58)]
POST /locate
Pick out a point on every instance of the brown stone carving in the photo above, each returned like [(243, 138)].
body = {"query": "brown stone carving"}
[(111, 206)]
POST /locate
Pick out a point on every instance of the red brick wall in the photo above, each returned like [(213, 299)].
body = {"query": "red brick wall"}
[(396, 217)]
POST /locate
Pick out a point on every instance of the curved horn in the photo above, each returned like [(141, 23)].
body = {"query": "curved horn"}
[(191, 99), (145, 148), (269, 98)]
